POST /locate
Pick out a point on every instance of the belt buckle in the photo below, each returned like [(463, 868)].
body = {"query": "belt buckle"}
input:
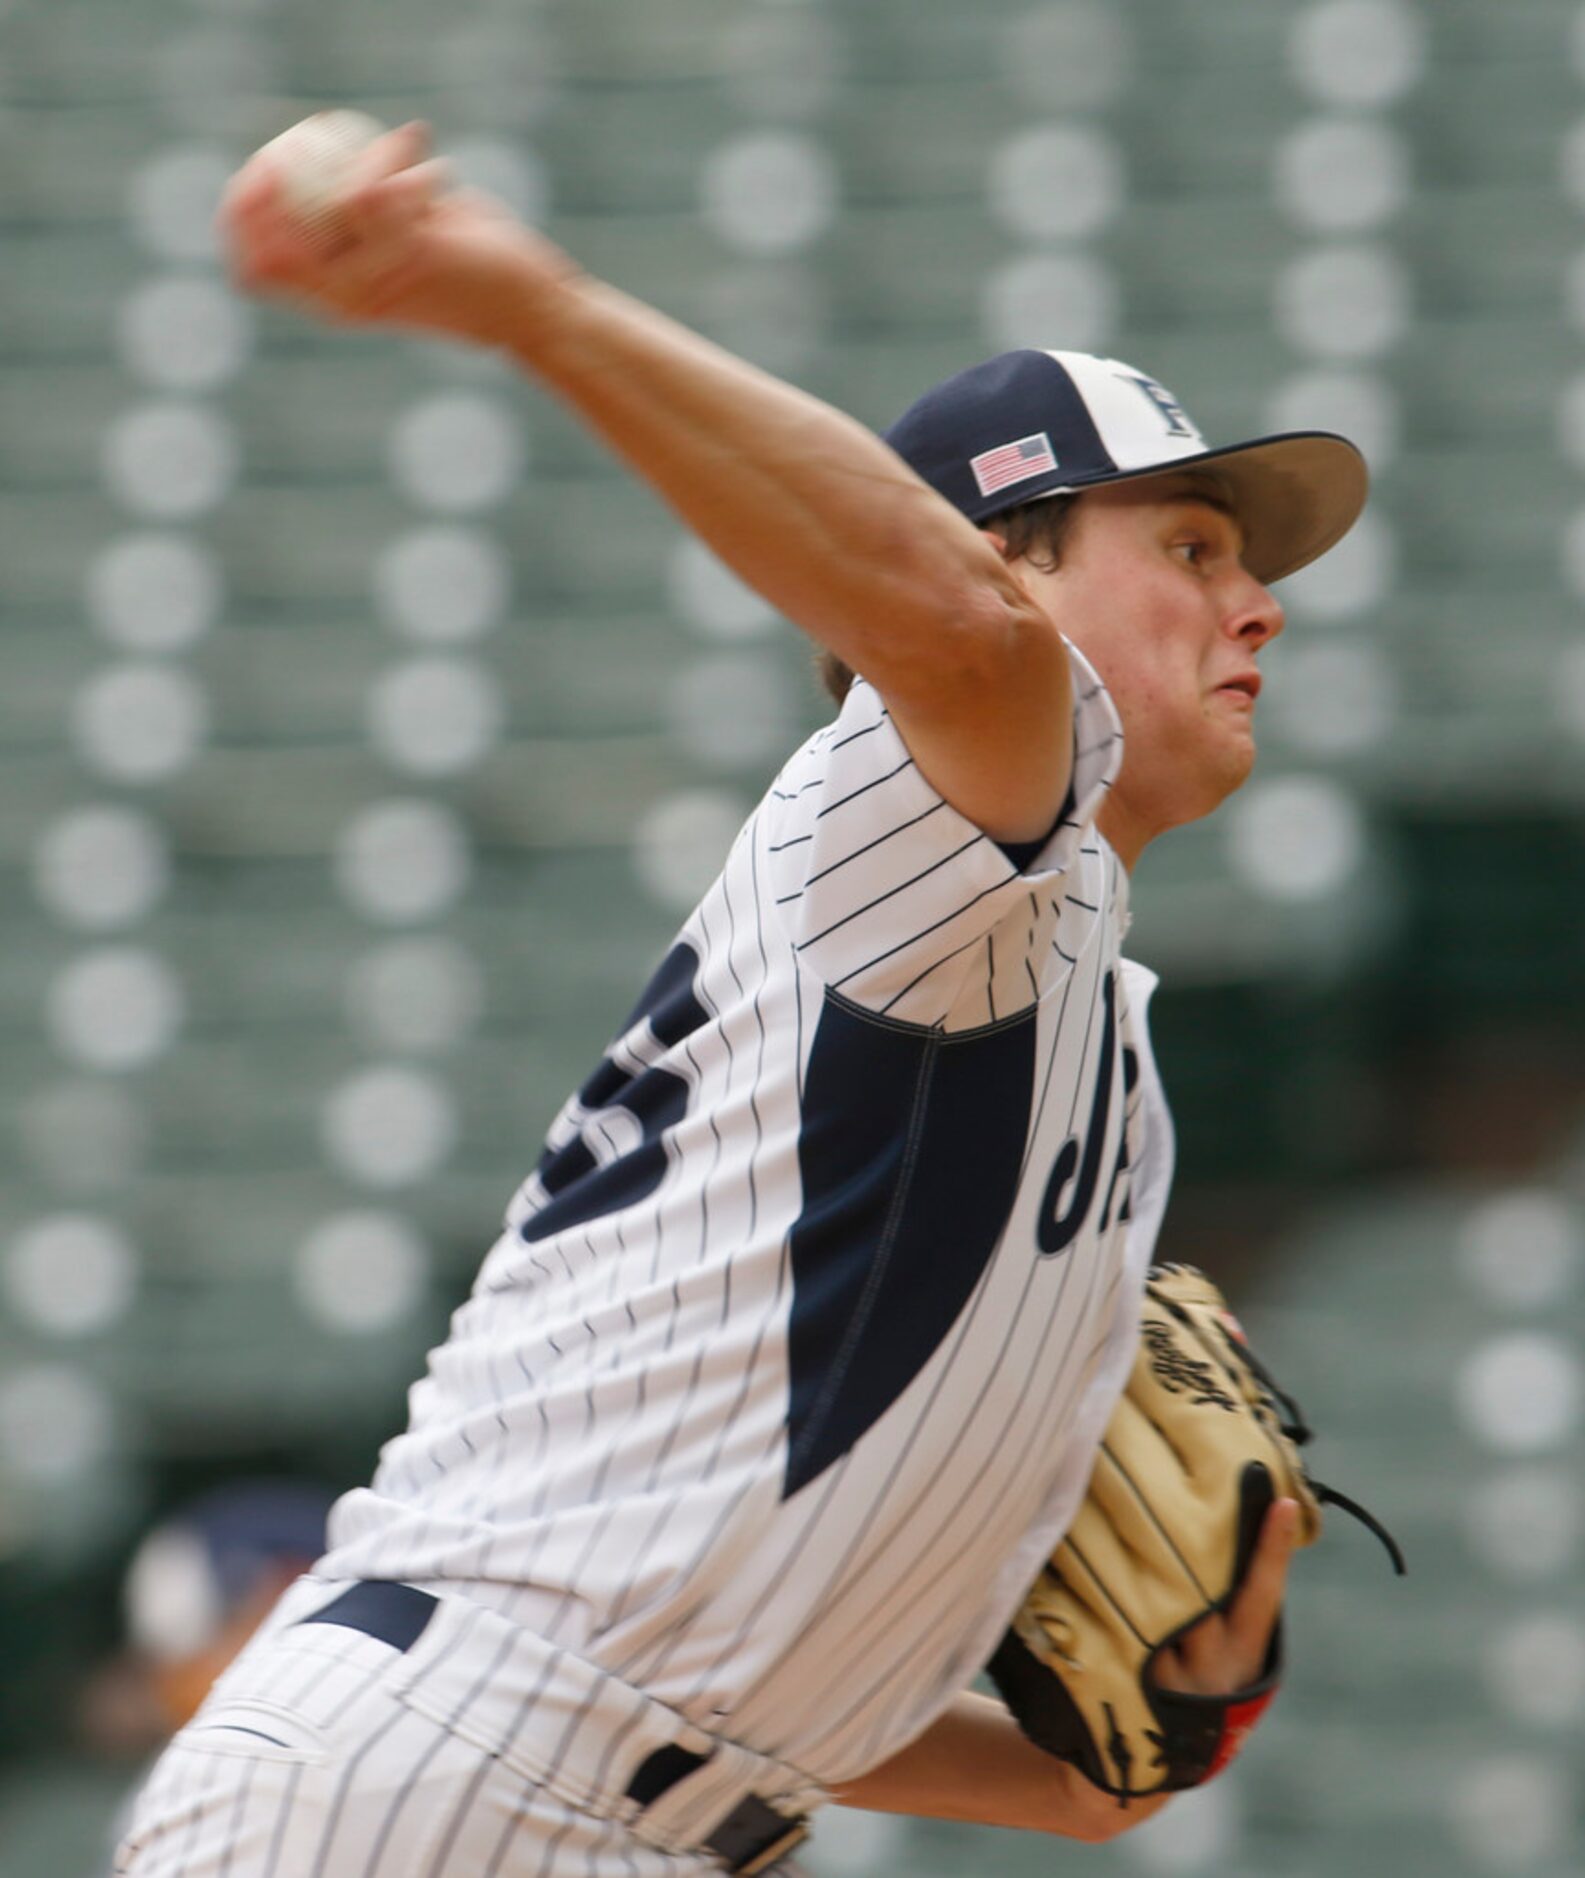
[(752, 1838), (797, 1831)]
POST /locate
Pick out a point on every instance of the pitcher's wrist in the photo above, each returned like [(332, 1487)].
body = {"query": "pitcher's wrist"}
[(534, 305)]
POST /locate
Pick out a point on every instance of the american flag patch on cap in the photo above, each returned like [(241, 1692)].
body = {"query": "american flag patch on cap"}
[(1012, 463)]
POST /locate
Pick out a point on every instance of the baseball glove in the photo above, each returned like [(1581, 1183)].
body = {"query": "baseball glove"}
[(1200, 1445)]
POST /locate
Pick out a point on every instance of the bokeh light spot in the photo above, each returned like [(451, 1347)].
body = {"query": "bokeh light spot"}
[(361, 1273)]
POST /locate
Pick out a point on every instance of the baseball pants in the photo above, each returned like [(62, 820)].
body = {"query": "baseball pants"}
[(373, 1731)]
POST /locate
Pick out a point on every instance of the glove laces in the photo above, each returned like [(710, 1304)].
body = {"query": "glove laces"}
[(1299, 1432)]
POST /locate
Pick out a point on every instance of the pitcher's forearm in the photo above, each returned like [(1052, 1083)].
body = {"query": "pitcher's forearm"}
[(975, 1765), (800, 500)]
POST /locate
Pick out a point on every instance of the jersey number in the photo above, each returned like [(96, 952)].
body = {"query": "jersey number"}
[(628, 1110)]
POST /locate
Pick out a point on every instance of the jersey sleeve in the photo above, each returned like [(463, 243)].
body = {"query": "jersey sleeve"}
[(894, 899)]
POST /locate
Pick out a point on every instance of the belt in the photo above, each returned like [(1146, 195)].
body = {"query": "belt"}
[(751, 1838)]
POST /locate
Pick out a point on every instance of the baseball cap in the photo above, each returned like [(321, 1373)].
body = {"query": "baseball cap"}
[(1029, 424)]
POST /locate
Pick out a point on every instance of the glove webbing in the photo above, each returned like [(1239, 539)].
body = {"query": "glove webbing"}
[(1298, 1431)]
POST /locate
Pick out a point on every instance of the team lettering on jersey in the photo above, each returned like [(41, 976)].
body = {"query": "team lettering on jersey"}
[(1064, 1213)]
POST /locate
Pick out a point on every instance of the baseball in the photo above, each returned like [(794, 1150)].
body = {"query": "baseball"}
[(315, 159)]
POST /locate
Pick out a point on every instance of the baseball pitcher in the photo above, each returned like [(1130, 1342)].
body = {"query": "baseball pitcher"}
[(790, 1367)]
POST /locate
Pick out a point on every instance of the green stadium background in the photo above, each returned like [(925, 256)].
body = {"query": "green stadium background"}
[(364, 734)]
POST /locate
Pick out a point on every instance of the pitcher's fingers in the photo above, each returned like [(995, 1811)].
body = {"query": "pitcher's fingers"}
[(258, 245), (397, 150), (386, 207), (270, 243), (254, 211), (256, 186), (266, 243), (269, 268), (1255, 1610)]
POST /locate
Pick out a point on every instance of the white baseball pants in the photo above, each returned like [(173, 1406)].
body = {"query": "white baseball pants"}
[(399, 1736)]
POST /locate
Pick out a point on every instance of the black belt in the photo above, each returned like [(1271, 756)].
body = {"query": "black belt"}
[(752, 1838), (395, 1614)]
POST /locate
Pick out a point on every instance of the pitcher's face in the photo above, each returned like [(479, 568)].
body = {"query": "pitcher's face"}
[(1152, 588)]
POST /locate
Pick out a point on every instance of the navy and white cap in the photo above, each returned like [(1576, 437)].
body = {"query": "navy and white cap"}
[(1029, 424)]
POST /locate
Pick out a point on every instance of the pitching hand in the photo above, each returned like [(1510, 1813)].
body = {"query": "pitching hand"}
[(394, 245)]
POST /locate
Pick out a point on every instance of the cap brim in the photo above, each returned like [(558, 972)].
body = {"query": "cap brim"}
[(1295, 495)]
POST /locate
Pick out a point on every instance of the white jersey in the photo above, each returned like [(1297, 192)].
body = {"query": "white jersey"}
[(789, 1366)]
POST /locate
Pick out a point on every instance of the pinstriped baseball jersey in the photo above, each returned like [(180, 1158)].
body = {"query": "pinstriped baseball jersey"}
[(789, 1365)]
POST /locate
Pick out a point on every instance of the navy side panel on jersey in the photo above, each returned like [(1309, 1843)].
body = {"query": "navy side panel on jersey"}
[(580, 1186), (910, 1151)]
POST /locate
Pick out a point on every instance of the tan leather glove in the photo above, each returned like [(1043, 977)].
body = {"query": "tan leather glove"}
[(1200, 1445)]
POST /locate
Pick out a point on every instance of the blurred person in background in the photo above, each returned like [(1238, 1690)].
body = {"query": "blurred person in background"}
[(196, 1589)]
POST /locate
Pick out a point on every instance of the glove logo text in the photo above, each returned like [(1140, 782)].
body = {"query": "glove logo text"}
[(1178, 1372)]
